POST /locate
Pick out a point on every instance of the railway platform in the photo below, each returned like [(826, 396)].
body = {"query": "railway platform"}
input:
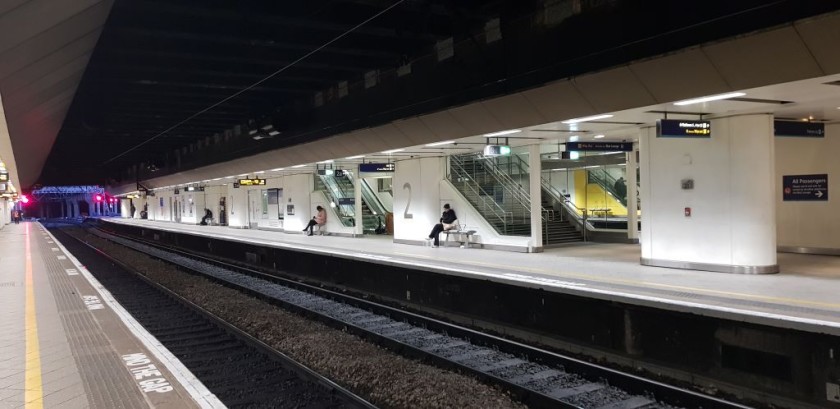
[(65, 343), (803, 296)]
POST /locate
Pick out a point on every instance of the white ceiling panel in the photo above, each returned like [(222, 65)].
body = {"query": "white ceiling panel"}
[(822, 35), (559, 100), (666, 78), (764, 58), (44, 49), (513, 111), (476, 119), (614, 89)]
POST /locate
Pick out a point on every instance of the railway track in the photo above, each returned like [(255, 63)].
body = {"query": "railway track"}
[(239, 369), (536, 377)]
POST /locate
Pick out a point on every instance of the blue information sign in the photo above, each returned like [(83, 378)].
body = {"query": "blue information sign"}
[(799, 129), (805, 187), (683, 128), (346, 201), (600, 146), (377, 167)]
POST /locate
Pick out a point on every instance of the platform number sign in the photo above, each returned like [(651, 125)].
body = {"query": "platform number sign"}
[(406, 214), (805, 188)]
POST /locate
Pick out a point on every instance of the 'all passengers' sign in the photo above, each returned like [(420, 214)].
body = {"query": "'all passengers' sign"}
[(805, 187)]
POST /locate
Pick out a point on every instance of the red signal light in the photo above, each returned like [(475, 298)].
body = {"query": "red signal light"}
[(98, 198), (24, 199)]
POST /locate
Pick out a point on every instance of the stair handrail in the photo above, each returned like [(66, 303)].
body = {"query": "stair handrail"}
[(457, 170), (580, 215), (509, 186), (346, 213)]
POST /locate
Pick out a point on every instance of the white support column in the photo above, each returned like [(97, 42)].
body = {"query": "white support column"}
[(632, 196), (709, 203), (357, 196), (535, 166)]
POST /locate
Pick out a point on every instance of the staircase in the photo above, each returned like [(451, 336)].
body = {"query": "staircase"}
[(557, 228), (499, 203), (488, 185)]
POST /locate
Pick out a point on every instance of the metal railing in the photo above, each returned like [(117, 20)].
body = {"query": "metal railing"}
[(334, 192), (484, 202)]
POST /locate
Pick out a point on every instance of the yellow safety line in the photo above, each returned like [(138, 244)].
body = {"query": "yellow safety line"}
[(33, 388), (570, 274)]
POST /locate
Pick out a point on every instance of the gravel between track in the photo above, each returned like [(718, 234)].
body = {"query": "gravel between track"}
[(380, 376)]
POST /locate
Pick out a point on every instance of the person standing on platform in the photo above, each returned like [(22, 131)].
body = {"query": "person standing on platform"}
[(620, 188), (447, 222), (319, 219)]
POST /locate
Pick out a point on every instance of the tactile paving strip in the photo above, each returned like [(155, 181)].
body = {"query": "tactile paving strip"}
[(107, 383)]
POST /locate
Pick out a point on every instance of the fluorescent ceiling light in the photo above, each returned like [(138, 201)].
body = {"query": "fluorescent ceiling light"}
[(598, 136), (298, 166), (574, 138), (327, 161), (230, 177), (277, 170), (217, 179), (503, 133), (393, 151), (587, 118), (355, 157), (257, 173), (710, 98), (244, 174), (440, 143)]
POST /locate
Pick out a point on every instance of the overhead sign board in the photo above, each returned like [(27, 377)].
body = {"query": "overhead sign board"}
[(377, 167), (805, 187), (600, 146), (194, 189), (799, 129), (251, 182), (346, 201), (681, 128), (497, 150)]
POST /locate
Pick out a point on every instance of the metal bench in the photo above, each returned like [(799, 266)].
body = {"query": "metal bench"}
[(461, 233)]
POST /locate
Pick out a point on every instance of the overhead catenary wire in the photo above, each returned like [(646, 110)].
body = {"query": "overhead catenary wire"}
[(270, 76)]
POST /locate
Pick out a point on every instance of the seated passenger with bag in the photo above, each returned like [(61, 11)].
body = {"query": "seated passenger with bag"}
[(319, 219), (448, 221)]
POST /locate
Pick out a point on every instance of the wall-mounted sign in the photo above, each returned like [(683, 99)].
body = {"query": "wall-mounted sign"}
[(251, 182), (350, 201), (805, 187), (600, 146), (339, 173), (681, 128), (799, 129), (377, 167), (497, 150), (236, 185)]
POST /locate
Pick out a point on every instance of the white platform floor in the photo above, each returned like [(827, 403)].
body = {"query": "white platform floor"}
[(805, 295), (65, 343)]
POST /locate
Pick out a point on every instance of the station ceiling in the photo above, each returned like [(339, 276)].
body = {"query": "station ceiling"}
[(166, 73)]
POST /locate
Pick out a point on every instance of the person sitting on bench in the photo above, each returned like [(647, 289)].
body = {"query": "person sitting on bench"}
[(447, 222), (208, 215), (319, 219)]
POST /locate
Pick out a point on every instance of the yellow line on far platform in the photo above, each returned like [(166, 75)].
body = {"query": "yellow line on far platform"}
[(33, 388)]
